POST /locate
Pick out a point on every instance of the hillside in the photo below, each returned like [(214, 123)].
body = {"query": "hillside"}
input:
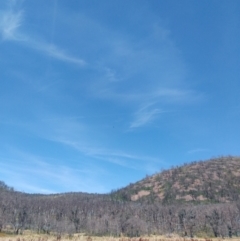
[(143, 208), (213, 181)]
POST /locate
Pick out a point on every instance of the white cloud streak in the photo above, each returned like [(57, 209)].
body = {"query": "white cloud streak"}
[(55, 52), (144, 116), (74, 134), (115, 157), (28, 168), (10, 23), (136, 73)]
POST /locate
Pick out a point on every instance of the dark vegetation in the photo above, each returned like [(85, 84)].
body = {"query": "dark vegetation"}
[(197, 199)]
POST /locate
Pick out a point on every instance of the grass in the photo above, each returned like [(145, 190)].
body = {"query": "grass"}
[(82, 237)]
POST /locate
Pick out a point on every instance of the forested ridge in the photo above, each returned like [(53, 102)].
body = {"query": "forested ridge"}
[(196, 199), (213, 181)]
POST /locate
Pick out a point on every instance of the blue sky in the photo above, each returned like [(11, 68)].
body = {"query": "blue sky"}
[(97, 94)]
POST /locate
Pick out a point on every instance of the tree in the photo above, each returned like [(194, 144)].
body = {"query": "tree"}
[(214, 221)]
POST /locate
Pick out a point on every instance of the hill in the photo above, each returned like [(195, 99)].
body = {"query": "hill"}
[(213, 181), (163, 203)]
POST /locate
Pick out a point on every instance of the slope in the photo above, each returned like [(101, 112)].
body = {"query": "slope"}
[(214, 181)]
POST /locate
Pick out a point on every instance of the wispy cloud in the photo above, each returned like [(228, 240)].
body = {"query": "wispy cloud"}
[(136, 73), (74, 133), (55, 52), (120, 158), (173, 94), (144, 116), (10, 23), (28, 168), (154, 102)]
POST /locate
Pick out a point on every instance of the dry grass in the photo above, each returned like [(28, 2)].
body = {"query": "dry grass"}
[(82, 237)]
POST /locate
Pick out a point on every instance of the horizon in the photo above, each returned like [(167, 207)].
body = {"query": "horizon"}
[(96, 95), (5, 185)]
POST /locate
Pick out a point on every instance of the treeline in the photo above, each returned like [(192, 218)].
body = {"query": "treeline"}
[(102, 215)]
